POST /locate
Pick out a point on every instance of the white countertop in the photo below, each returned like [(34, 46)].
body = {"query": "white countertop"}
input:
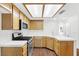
[(21, 43), (62, 38), (12, 43), (58, 37)]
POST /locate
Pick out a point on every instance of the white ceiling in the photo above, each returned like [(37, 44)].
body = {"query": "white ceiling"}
[(71, 10), (37, 10), (3, 10)]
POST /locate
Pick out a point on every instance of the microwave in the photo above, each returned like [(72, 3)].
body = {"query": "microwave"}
[(22, 25)]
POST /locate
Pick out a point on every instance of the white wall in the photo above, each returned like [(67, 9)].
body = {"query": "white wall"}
[(71, 18), (72, 29), (0, 22), (50, 28)]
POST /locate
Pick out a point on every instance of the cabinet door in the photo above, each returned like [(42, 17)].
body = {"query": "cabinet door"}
[(6, 21), (43, 42), (15, 18), (11, 51), (37, 41), (57, 46), (63, 48), (36, 25), (69, 48), (25, 50), (50, 43), (66, 48)]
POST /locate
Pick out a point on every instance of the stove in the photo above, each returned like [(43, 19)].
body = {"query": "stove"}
[(16, 36)]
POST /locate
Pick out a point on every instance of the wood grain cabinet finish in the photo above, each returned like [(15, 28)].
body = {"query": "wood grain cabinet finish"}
[(38, 41), (14, 51), (49, 43), (56, 46), (36, 25), (10, 20), (63, 48), (15, 18), (24, 50), (43, 42), (7, 21)]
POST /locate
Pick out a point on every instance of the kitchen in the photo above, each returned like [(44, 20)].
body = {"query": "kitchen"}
[(52, 27)]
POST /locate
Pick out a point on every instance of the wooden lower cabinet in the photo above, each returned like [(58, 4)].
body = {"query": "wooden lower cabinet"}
[(70, 48), (49, 43), (25, 50), (56, 46), (14, 51), (63, 48), (43, 42), (38, 41)]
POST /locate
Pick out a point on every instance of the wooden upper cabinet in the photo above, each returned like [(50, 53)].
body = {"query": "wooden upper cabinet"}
[(21, 16), (36, 25), (15, 18), (6, 18), (10, 21), (6, 21)]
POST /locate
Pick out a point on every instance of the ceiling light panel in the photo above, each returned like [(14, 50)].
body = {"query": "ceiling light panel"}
[(51, 9), (35, 10)]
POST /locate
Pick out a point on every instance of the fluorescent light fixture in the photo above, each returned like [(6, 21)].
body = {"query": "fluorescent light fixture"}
[(51, 9), (35, 10)]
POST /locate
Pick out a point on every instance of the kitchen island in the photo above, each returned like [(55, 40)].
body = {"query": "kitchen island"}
[(13, 48)]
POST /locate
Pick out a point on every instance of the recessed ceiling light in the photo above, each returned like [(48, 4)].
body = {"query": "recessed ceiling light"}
[(35, 10), (50, 10)]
